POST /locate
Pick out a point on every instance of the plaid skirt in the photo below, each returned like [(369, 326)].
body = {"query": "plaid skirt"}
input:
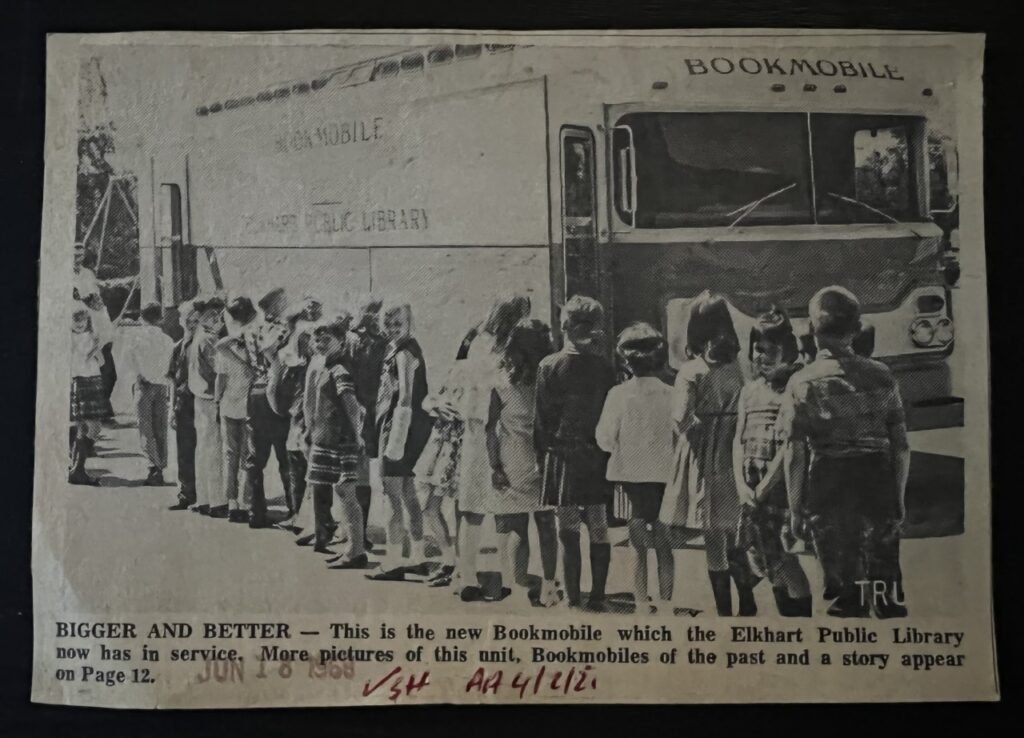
[(89, 399), (333, 465)]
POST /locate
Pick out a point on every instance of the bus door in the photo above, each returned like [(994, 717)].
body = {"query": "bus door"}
[(580, 263)]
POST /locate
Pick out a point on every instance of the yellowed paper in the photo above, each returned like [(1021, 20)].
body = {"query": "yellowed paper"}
[(220, 211)]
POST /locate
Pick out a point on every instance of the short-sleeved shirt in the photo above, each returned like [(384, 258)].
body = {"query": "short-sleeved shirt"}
[(842, 405)]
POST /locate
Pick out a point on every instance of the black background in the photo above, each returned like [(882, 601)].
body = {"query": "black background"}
[(24, 25)]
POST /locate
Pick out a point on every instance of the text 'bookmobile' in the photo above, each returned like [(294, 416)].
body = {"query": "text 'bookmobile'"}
[(640, 176)]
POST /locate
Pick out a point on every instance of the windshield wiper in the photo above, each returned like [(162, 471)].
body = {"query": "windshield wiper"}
[(876, 211), (745, 210)]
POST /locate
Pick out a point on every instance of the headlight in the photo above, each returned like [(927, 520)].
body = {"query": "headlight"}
[(943, 331), (922, 332)]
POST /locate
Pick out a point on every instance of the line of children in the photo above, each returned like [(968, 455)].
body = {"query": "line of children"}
[(519, 432)]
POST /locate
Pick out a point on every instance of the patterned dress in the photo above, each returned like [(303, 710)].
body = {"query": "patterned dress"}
[(762, 441), (702, 491), (438, 465)]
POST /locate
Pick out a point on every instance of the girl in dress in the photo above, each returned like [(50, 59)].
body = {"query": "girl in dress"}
[(484, 349), (515, 477), (89, 402), (636, 429), (702, 493), (437, 471), (757, 461), (403, 427), (571, 389)]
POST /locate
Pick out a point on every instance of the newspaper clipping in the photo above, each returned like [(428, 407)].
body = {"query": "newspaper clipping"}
[(397, 368)]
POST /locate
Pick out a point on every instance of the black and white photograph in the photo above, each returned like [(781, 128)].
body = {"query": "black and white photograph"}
[(435, 364)]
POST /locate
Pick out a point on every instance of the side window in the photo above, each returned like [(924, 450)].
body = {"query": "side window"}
[(579, 227)]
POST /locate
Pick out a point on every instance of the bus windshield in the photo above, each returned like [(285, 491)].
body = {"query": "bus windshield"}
[(725, 169)]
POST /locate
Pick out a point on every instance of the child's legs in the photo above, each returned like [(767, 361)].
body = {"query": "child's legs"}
[(513, 531), (208, 452), (159, 419), (233, 438), (296, 479), (666, 560), (323, 521), (353, 518), (396, 526), (716, 548), (547, 533), (90, 429), (401, 494), (470, 533), (569, 519), (144, 419), (600, 549), (597, 523), (434, 525), (640, 538), (412, 508)]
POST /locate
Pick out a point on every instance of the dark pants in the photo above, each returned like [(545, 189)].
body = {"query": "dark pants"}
[(853, 507), (185, 435), (107, 370), (296, 480), (267, 430), (323, 521)]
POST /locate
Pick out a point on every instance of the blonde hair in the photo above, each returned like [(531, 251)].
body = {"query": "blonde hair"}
[(398, 308)]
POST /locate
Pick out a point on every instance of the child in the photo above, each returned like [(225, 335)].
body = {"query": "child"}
[(285, 385), (201, 379), (636, 429), (371, 346), (571, 389), (701, 493), (234, 377), (403, 427), (333, 419), (847, 461), (89, 403), (183, 418), (483, 351), (267, 431), (146, 357), (515, 479), (757, 460), (437, 470)]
